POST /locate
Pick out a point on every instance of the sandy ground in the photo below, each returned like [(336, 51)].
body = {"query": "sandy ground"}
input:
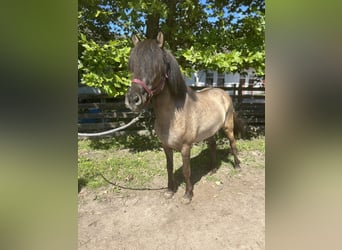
[(227, 212)]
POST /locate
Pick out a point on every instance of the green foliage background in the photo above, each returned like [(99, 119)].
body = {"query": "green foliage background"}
[(227, 36)]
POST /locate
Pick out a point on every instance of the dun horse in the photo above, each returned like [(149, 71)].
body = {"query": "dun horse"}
[(183, 116)]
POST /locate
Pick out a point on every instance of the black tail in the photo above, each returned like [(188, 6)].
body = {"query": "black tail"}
[(240, 127)]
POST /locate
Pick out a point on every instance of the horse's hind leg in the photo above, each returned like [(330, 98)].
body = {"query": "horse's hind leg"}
[(169, 165), (212, 151), (229, 130)]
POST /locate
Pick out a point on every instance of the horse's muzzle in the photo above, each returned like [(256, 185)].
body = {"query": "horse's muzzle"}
[(134, 101)]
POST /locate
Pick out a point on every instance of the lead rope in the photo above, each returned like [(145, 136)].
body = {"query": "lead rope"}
[(110, 131)]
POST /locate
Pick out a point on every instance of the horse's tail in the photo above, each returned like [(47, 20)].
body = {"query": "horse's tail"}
[(240, 126)]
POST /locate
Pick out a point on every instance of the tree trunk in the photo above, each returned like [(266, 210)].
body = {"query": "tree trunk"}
[(171, 24), (152, 25)]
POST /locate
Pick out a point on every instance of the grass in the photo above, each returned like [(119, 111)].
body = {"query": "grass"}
[(252, 152), (133, 161)]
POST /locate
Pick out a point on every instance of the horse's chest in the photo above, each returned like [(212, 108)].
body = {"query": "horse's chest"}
[(170, 135)]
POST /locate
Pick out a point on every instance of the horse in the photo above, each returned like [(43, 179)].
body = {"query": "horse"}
[(182, 116)]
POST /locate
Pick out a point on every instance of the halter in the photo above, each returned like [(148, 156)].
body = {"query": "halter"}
[(151, 91)]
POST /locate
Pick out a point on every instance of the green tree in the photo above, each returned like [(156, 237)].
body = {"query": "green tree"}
[(227, 36)]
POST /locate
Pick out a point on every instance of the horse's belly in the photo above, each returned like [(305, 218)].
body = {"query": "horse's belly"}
[(180, 131), (170, 139), (175, 139), (206, 132)]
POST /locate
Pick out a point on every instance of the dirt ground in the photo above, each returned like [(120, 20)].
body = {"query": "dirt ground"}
[(227, 212)]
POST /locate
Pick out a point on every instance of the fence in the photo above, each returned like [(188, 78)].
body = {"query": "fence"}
[(101, 112)]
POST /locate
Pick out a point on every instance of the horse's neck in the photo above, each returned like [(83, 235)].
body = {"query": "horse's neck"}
[(165, 105)]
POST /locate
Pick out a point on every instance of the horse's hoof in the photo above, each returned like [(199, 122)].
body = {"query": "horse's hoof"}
[(186, 199), (213, 171), (168, 194)]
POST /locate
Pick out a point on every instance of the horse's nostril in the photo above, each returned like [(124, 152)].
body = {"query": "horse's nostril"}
[(137, 100)]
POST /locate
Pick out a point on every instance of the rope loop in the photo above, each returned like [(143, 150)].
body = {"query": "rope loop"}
[(110, 131)]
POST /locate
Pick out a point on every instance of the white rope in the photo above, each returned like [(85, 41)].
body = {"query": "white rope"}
[(110, 131)]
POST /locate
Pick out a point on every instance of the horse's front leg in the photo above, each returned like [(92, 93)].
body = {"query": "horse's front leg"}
[(169, 165), (187, 172), (212, 150)]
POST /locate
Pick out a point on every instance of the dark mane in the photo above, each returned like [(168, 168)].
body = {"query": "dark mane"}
[(175, 78), (148, 60)]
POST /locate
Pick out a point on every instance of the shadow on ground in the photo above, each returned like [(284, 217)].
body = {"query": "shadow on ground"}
[(82, 182), (200, 166), (135, 143)]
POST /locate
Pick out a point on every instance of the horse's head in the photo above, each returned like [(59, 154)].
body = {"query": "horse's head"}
[(149, 71)]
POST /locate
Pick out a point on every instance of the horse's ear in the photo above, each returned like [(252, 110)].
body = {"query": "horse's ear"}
[(160, 39), (135, 40)]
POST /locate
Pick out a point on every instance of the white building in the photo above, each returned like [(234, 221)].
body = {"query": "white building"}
[(215, 79)]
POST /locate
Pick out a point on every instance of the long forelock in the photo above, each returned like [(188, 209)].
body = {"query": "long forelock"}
[(148, 59)]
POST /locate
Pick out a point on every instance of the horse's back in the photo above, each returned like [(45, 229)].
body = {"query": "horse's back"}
[(215, 95)]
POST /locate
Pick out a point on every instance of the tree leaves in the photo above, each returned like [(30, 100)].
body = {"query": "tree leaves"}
[(227, 36), (104, 66), (223, 62)]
